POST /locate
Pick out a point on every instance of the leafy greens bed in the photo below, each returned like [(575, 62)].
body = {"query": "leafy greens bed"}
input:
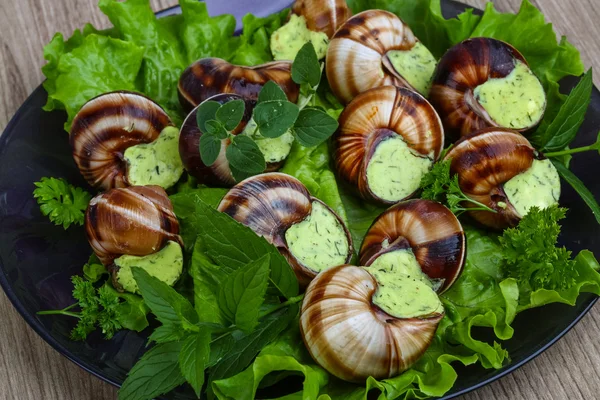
[(504, 273)]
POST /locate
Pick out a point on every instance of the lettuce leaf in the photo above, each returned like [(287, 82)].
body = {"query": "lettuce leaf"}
[(255, 38)]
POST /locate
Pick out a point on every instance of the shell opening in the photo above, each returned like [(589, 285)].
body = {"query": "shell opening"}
[(515, 101), (538, 186), (395, 170), (319, 241), (416, 65)]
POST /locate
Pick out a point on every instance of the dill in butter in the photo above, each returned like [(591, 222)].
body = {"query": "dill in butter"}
[(287, 41), (273, 149), (516, 101), (416, 65)]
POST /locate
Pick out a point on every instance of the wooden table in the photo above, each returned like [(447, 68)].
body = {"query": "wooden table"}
[(30, 369)]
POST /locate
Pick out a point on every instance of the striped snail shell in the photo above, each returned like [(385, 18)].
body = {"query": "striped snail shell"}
[(457, 95), (322, 15), (105, 127), (208, 77), (485, 162), (358, 57), (429, 229), (352, 338), (279, 208), (137, 220), (373, 120)]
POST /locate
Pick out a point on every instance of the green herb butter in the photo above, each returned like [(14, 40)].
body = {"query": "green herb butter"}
[(416, 65), (287, 41), (273, 149), (515, 101), (395, 170), (319, 241), (404, 291), (156, 163), (538, 186), (166, 265)]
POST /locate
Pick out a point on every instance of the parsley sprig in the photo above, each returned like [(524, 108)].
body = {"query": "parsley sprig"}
[(273, 115), (438, 185), (63, 203)]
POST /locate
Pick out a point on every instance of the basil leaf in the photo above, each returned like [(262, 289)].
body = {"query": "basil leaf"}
[(210, 147), (579, 187), (245, 348), (193, 358), (231, 113), (243, 292), (564, 128), (306, 67), (216, 128), (275, 117), (271, 91), (233, 245), (313, 127), (244, 155), (164, 301), (206, 111), (156, 373), (167, 333)]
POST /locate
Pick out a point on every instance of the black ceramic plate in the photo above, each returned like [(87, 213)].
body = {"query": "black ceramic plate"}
[(38, 258)]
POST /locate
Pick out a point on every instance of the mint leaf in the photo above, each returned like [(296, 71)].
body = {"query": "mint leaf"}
[(207, 278), (232, 245), (313, 127), (579, 187), (193, 358), (216, 128), (243, 292), (210, 147), (167, 333), (565, 126), (156, 373), (231, 113), (244, 155), (306, 67), (275, 117), (206, 111), (164, 301), (243, 351), (271, 91)]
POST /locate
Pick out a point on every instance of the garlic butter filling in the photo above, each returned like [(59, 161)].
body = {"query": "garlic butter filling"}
[(395, 171), (538, 186), (515, 101), (319, 241), (287, 41), (273, 149), (416, 65), (156, 163), (404, 291), (166, 265)]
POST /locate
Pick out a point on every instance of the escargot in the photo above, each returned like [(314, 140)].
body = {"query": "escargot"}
[(388, 138), (352, 325), (322, 16), (375, 48), (484, 82), (107, 127), (501, 169), (211, 76), (305, 230), (417, 235)]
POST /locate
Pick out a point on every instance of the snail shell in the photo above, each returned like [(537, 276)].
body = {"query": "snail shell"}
[(484, 162), (270, 204), (208, 77), (137, 220), (351, 337), (377, 115), (357, 56), (323, 15), (105, 127), (429, 229), (460, 71)]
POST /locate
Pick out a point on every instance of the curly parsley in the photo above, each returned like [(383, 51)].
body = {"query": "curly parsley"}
[(63, 203)]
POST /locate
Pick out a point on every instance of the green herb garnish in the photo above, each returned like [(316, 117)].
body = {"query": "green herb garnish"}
[(64, 204)]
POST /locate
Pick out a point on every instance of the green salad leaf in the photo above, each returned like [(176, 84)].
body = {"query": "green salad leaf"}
[(254, 45)]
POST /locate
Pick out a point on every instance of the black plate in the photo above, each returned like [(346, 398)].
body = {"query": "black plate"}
[(38, 258)]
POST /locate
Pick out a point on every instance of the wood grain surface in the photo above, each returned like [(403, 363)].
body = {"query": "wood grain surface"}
[(31, 370)]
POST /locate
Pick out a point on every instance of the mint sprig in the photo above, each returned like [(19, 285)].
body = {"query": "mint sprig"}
[(274, 115)]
